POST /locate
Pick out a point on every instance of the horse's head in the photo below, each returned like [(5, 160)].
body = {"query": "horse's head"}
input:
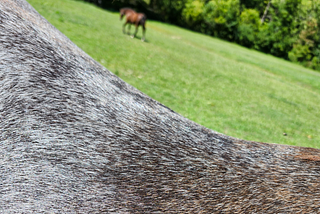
[(122, 13)]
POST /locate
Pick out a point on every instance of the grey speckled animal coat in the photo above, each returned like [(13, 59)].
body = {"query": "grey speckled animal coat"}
[(74, 138)]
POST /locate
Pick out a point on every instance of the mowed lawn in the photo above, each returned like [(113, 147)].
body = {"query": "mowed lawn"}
[(220, 85)]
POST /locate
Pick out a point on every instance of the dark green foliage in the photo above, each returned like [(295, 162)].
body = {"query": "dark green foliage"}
[(192, 14), (221, 17), (288, 29), (170, 10), (306, 47), (248, 28), (254, 4)]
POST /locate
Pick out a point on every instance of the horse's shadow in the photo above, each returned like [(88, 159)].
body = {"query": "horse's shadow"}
[(140, 38), (137, 37)]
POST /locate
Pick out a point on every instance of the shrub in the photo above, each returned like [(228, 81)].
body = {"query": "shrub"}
[(248, 27), (192, 13), (222, 17)]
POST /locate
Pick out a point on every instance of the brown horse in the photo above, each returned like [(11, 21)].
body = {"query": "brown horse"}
[(135, 18)]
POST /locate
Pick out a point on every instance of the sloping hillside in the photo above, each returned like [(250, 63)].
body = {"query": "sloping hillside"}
[(223, 86)]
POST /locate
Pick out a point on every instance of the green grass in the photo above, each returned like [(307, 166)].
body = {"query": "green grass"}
[(220, 85)]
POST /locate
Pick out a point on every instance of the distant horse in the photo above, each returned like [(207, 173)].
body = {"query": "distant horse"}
[(135, 18)]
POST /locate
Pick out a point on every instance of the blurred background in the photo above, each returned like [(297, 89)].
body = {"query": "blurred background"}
[(248, 69), (284, 28)]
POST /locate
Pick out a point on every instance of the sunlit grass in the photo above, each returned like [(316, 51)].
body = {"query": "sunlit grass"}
[(225, 87)]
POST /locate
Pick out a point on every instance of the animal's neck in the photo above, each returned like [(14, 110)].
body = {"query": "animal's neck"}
[(128, 10)]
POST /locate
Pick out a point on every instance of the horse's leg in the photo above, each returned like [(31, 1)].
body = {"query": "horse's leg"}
[(124, 26), (135, 33), (129, 29), (143, 33)]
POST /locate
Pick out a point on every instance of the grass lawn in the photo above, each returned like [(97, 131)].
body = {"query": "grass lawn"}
[(220, 85)]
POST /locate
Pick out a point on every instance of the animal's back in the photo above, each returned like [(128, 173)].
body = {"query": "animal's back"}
[(142, 18), (77, 139)]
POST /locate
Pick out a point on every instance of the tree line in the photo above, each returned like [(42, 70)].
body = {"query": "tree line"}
[(284, 28)]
